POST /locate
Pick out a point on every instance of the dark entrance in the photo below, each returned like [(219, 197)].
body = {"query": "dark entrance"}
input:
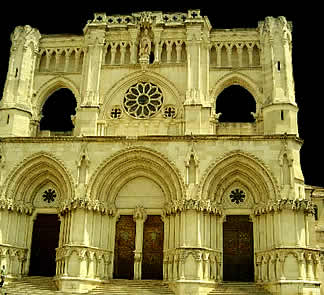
[(238, 249), (44, 242), (152, 264), (124, 248)]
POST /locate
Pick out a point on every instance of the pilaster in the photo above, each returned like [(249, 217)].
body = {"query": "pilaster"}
[(197, 106), (87, 113)]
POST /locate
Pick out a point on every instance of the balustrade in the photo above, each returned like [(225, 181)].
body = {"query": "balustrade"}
[(92, 263), (282, 264), (13, 259)]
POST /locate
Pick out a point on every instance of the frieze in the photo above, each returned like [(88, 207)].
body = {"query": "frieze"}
[(175, 206), (17, 206), (146, 18), (88, 204), (286, 204), (84, 253)]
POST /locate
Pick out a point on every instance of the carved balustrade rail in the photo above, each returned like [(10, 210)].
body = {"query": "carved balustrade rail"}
[(13, 258), (91, 262)]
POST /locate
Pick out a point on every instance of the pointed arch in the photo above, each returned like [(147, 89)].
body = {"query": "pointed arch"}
[(238, 167), (49, 87), (170, 91), (129, 164), (34, 172), (241, 80)]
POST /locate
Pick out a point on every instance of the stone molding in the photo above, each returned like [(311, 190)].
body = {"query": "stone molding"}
[(15, 183), (17, 206), (132, 161), (250, 171), (175, 206), (285, 204), (88, 204)]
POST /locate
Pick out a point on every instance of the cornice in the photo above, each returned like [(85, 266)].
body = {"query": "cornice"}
[(152, 138)]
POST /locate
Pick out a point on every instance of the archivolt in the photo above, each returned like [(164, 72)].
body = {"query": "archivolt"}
[(241, 80), (139, 76), (128, 164), (238, 167), (35, 171), (49, 87)]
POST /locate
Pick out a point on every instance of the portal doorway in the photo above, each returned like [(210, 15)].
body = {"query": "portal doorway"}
[(238, 254), (45, 240), (152, 264), (124, 248)]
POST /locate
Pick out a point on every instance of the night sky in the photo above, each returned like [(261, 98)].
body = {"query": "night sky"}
[(54, 17)]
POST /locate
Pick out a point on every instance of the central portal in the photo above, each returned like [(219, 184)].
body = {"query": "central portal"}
[(238, 263)]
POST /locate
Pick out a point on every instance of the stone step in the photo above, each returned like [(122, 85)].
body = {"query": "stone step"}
[(239, 288), (32, 285), (127, 287), (46, 286)]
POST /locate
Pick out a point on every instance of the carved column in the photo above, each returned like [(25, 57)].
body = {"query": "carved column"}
[(139, 216)]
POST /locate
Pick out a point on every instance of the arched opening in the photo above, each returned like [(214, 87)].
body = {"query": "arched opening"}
[(236, 104), (57, 111), (45, 239)]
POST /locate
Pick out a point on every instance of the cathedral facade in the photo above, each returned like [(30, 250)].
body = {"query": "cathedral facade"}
[(156, 179)]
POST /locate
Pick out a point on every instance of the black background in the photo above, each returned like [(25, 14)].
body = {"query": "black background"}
[(55, 17)]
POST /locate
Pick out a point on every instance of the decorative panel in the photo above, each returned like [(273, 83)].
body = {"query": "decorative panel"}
[(152, 265), (124, 247)]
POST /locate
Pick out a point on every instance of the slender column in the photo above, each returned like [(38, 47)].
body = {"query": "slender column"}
[(301, 265), (139, 217), (309, 267)]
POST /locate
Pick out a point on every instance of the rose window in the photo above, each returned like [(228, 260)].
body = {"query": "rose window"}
[(237, 196), (143, 100), (49, 196)]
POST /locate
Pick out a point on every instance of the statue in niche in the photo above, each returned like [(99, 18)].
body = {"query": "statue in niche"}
[(145, 47)]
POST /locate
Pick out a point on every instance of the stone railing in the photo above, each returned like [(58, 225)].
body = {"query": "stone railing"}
[(83, 262), (287, 264), (192, 264), (146, 17), (13, 258)]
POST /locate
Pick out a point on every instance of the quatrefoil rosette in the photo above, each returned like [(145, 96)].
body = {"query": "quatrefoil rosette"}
[(143, 100)]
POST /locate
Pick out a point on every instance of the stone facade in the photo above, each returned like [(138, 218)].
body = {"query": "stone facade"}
[(148, 140)]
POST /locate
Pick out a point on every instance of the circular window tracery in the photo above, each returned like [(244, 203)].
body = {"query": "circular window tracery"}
[(237, 196), (143, 100)]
